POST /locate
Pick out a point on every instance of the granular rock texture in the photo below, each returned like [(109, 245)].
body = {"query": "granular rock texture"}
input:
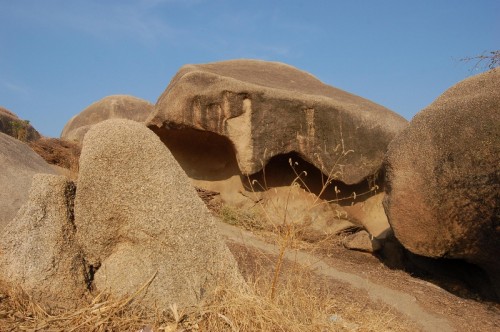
[(443, 174), (138, 217), (18, 164), (37, 249), (12, 125), (111, 107), (267, 109)]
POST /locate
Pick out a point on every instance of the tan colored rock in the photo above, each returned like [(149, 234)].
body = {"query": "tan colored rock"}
[(111, 107), (362, 241), (443, 172), (12, 125), (138, 217), (313, 218), (371, 215), (38, 252), (266, 109), (18, 164)]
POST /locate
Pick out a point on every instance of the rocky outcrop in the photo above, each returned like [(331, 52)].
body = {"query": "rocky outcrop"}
[(139, 219), (12, 125), (18, 164), (443, 176), (111, 107), (37, 249), (264, 109)]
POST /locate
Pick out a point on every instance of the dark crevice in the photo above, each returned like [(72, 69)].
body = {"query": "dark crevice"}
[(457, 276), (89, 274), (70, 203)]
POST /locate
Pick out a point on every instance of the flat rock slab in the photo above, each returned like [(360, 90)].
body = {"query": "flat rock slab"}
[(269, 108)]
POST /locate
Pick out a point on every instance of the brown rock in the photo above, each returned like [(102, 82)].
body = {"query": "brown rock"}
[(443, 174), (371, 215), (11, 125), (18, 164), (111, 107), (60, 153), (38, 252), (362, 241), (138, 217), (266, 109)]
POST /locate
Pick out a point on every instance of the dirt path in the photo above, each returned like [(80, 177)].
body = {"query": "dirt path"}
[(400, 301)]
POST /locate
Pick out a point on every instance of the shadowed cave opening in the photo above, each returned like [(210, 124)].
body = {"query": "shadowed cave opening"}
[(283, 169), (207, 156)]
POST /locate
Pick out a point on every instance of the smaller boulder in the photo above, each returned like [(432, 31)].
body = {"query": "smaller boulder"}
[(362, 241), (111, 107), (371, 215), (38, 252)]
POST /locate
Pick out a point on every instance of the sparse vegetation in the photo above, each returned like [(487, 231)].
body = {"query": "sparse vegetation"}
[(20, 129), (486, 60), (305, 302)]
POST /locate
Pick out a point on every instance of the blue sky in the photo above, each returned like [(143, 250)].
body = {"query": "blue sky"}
[(59, 56)]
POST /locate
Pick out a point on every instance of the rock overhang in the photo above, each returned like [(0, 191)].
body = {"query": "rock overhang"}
[(266, 109)]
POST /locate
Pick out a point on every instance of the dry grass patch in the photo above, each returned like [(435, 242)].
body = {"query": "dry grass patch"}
[(303, 301)]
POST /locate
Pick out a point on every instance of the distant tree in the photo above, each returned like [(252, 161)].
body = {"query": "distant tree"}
[(486, 60)]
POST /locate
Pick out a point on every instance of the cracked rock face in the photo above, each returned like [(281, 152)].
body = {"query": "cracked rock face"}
[(111, 107), (266, 109), (443, 176), (38, 251), (138, 216)]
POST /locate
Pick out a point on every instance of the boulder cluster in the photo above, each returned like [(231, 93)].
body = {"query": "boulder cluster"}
[(255, 133)]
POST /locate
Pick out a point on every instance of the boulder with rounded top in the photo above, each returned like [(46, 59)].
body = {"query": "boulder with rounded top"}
[(267, 109), (141, 223), (443, 176), (111, 107)]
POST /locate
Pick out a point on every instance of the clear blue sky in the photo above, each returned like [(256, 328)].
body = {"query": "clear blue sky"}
[(59, 56)]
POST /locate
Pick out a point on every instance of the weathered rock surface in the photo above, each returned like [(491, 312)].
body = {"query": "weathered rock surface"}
[(443, 176), (370, 213), (362, 241), (18, 164), (37, 249), (138, 217), (12, 125), (111, 107), (266, 109)]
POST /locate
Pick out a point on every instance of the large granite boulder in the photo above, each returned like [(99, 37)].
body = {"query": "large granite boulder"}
[(266, 109), (18, 164), (443, 176), (12, 125), (139, 219), (37, 249), (111, 107)]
